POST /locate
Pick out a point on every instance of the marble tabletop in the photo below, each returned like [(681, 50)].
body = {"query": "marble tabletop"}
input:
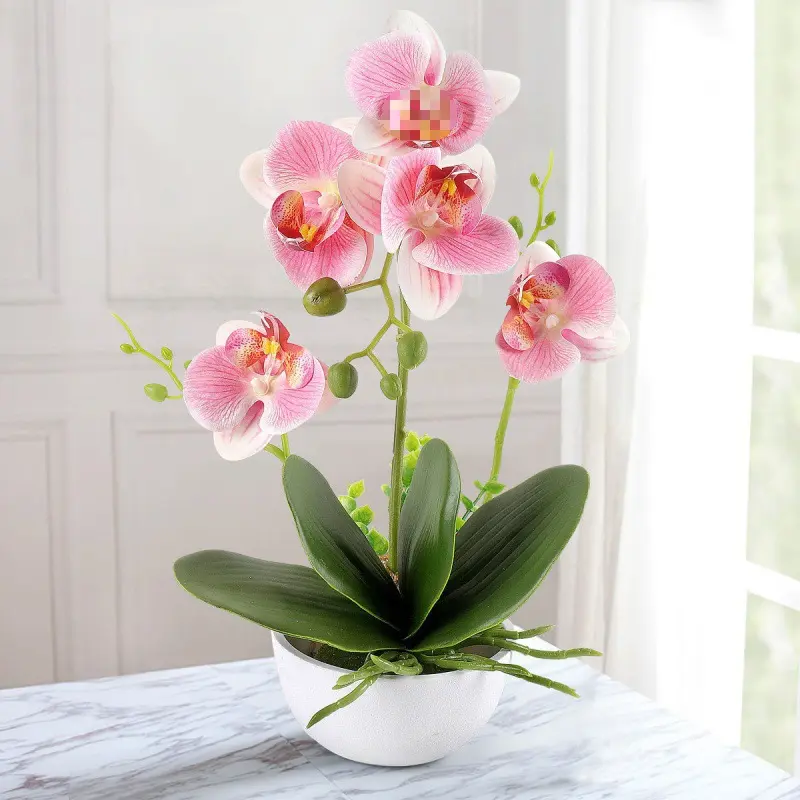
[(224, 733)]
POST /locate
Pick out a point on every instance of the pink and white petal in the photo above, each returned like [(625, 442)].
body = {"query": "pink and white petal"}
[(535, 254), (299, 365), (516, 332), (246, 439), (545, 359), (361, 189), (611, 343), (285, 408), (306, 156), (346, 124), (377, 69), (480, 160), (227, 328), (504, 88), (409, 22), (399, 192), (341, 256), (329, 399), (217, 393), (429, 293), (370, 242), (489, 248), (464, 80), (251, 174), (590, 303), (372, 136)]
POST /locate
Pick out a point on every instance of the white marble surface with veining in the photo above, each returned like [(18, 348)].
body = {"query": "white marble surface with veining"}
[(224, 733)]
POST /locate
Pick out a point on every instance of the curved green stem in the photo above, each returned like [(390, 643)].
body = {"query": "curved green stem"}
[(285, 445), (167, 367), (540, 191), (276, 451), (499, 440), (395, 500)]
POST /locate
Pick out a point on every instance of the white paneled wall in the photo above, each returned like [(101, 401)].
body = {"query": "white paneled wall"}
[(122, 125)]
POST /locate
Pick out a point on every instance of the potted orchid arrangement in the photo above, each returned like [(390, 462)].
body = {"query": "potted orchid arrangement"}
[(392, 646)]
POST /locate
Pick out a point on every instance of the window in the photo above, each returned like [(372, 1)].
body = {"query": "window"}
[(772, 651)]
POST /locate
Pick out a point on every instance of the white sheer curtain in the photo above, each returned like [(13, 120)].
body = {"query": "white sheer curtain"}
[(660, 191)]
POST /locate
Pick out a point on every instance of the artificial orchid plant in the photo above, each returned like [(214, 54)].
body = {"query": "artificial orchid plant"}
[(450, 569)]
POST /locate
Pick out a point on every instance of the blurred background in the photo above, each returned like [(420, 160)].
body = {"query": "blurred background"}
[(676, 131)]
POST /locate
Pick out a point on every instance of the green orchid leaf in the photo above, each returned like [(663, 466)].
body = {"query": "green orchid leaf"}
[(503, 552), (287, 598), (336, 546), (427, 531)]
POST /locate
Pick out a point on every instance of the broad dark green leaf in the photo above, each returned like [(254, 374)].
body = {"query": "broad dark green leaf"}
[(503, 552), (336, 547), (427, 531), (286, 598)]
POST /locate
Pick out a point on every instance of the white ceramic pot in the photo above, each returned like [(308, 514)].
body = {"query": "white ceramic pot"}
[(399, 721)]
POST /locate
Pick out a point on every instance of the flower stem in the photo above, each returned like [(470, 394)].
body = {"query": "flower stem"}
[(540, 191), (137, 348), (396, 497), (276, 451), (285, 445), (499, 439)]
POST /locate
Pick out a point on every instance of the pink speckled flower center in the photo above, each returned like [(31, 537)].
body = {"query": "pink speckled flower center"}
[(422, 115)]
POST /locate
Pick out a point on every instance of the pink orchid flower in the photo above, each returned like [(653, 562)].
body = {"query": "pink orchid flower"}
[(307, 227), (412, 94), (253, 385), (561, 310), (430, 213)]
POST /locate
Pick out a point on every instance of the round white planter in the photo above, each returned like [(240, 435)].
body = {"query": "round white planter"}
[(397, 722)]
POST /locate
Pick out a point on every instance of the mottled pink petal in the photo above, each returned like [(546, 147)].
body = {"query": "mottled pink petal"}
[(480, 161), (545, 359), (227, 328), (288, 213), (217, 393), (399, 191), (590, 302), (299, 365), (504, 88), (246, 439), (464, 80), (393, 62), (329, 399), (342, 256), (251, 173), (610, 343), (286, 408), (306, 155), (429, 293), (547, 281), (490, 248), (370, 242), (361, 189), (535, 254), (244, 347), (516, 331), (409, 22)]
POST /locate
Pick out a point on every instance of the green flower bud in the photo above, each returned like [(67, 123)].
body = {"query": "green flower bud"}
[(127, 348), (534, 180), (408, 475), (348, 502), (379, 543), (186, 363), (166, 353), (386, 489), (423, 440), (342, 379), (324, 298), (410, 460), (412, 442), (552, 243), (363, 528), (412, 349), (155, 391), (391, 386), (516, 224), (356, 489), (468, 504), (364, 514), (459, 523), (550, 219), (494, 487)]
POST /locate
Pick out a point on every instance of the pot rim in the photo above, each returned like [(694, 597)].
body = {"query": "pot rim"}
[(279, 640)]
